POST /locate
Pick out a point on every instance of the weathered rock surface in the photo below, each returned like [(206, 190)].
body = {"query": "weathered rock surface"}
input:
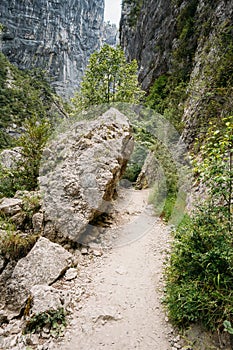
[(43, 265), (71, 274), (80, 171), (183, 39), (149, 173), (55, 35), (10, 206), (9, 157), (147, 35), (110, 34), (46, 298)]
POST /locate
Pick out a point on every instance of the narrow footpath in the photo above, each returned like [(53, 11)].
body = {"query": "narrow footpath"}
[(117, 296)]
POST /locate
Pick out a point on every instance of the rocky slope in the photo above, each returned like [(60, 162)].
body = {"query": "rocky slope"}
[(190, 41), (54, 35), (41, 232)]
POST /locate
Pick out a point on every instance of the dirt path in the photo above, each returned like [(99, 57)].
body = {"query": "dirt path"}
[(120, 308)]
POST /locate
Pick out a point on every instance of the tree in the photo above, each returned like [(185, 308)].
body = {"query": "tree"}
[(108, 78)]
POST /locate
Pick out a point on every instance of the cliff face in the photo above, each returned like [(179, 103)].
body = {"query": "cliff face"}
[(55, 35), (145, 29), (110, 34), (191, 42)]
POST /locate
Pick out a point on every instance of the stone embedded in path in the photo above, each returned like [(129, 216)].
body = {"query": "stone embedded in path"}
[(80, 171), (43, 265)]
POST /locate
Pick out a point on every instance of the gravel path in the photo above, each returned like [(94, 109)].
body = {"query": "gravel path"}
[(120, 308)]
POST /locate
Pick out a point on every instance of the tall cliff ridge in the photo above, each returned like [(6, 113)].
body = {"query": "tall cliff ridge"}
[(189, 44), (55, 35)]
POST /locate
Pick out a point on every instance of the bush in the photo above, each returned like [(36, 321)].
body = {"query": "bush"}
[(24, 174), (200, 274), (15, 245), (55, 320)]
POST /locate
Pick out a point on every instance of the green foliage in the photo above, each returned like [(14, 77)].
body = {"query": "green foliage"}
[(227, 327), (166, 189), (32, 142), (135, 163), (135, 9), (23, 94), (24, 174), (108, 78), (216, 168), (200, 273), (14, 245), (55, 320), (8, 182), (167, 97)]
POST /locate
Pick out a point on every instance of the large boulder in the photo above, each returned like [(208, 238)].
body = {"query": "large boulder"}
[(149, 173), (80, 171), (43, 265)]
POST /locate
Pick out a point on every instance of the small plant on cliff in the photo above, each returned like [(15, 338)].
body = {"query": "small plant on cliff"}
[(108, 78)]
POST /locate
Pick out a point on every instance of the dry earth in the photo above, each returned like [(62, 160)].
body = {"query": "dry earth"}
[(120, 307)]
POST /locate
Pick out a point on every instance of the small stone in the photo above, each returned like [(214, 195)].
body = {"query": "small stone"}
[(71, 274), (11, 206), (84, 251), (97, 253), (2, 262), (45, 335)]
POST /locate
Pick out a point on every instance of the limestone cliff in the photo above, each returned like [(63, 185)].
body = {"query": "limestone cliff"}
[(190, 41), (57, 36)]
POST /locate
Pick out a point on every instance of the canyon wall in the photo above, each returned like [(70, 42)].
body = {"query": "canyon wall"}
[(55, 35), (190, 42)]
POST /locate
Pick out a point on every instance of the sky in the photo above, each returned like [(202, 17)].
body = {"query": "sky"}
[(112, 11)]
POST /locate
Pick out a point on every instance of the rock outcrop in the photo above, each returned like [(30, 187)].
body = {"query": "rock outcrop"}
[(189, 40), (42, 266), (110, 34), (80, 171), (57, 36), (147, 31)]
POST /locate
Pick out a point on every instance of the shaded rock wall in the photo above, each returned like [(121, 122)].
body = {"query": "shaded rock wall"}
[(191, 40)]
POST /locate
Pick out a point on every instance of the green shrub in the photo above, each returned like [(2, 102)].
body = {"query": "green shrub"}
[(22, 95), (24, 174), (15, 245), (55, 320), (200, 274), (135, 163)]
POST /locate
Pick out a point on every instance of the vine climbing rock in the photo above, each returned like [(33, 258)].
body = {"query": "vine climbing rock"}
[(80, 171)]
